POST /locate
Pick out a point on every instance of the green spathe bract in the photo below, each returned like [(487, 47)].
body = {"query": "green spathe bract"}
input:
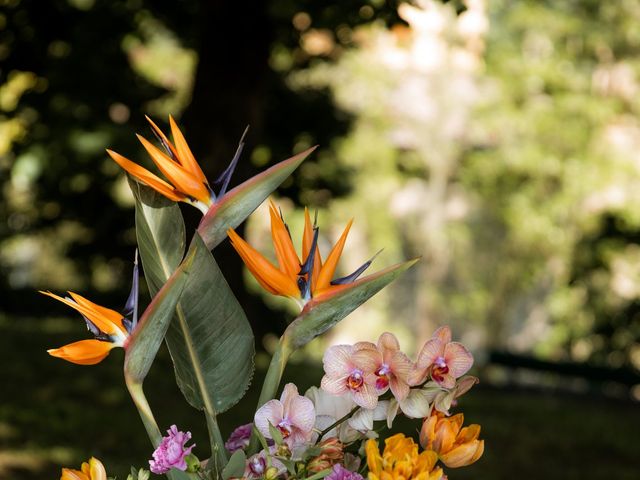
[(237, 204)]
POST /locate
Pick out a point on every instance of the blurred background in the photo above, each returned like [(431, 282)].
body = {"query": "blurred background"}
[(497, 139)]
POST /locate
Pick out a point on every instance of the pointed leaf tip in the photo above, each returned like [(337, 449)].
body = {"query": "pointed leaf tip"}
[(232, 209), (326, 310)]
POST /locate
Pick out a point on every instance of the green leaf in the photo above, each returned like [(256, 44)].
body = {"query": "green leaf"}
[(276, 435), (234, 207), (146, 339), (325, 311), (235, 466), (160, 233), (211, 341)]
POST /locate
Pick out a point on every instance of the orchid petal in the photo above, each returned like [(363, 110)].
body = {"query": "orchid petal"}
[(431, 350), (302, 413), (334, 385), (272, 413), (415, 404), (458, 359), (336, 360), (443, 334), (289, 392), (366, 397)]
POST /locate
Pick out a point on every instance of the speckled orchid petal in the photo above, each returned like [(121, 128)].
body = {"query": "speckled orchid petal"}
[(443, 334), (336, 360), (458, 359), (272, 413)]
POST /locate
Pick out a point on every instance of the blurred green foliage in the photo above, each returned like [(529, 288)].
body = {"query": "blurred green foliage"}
[(497, 139)]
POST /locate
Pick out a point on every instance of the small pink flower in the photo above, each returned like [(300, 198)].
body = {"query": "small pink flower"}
[(294, 415), (350, 368), (341, 473), (443, 359), (171, 452)]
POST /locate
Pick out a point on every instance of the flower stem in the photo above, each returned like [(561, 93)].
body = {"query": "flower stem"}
[(218, 454), (337, 422), (149, 422), (272, 381)]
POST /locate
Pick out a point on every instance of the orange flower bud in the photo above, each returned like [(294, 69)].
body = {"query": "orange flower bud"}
[(455, 446)]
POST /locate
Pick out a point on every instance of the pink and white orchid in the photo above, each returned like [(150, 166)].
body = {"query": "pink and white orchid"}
[(350, 369), (392, 366), (294, 415), (443, 359)]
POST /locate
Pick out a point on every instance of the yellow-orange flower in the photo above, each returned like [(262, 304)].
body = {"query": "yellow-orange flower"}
[(302, 280), (456, 446), (401, 460), (91, 470), (177, 163)]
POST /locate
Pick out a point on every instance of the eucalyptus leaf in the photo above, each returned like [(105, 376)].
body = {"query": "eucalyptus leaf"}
[(236, 465), (325, 311), (234, 207)]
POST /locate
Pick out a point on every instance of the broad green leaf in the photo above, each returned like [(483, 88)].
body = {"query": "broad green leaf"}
[(146, 339), (234, 207), (160, 233), (210, 339), (325, 311), (235, 466)]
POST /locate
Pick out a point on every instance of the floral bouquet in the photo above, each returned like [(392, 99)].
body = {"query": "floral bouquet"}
[(332, 430)]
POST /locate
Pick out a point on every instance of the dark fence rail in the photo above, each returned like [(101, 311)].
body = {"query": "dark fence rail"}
[(625, 376)]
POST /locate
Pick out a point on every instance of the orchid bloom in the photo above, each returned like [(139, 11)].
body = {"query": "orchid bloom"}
[(301, 280), (293, 415), (91, 470), (187, 183), (392, 366), (455, 446), (401, 460), (110, 328), (442, 359), (350, 369)]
